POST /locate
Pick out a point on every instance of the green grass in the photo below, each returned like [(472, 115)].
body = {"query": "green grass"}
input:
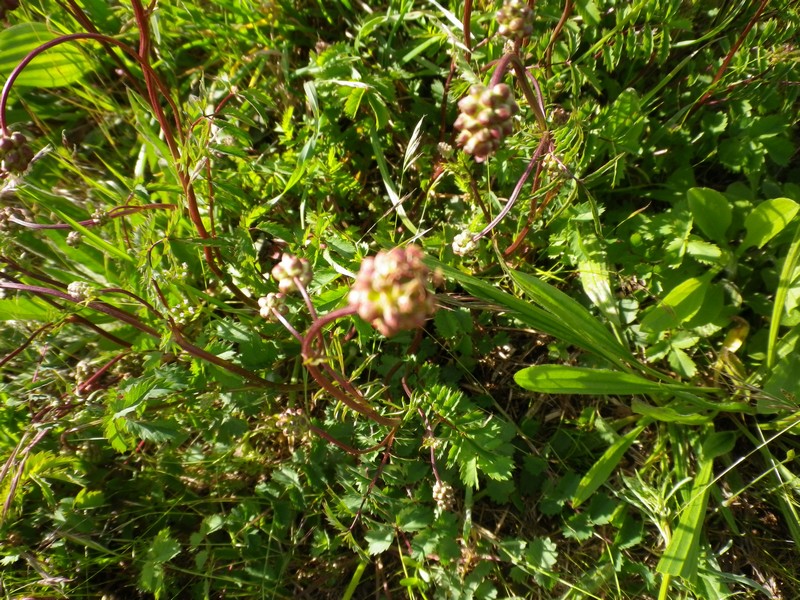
[(605, 404)]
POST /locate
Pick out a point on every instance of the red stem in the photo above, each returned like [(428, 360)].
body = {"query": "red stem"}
[(357, 403), (518, 188), (729, 57)]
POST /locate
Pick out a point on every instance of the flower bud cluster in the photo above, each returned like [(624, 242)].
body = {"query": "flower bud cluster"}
[(486, 118), (15, 153), (463, 243), (391, 290), (270, 302), (80, 290), (290, 268), (443, 495), (74, 239), (515, 19), (292, 423)]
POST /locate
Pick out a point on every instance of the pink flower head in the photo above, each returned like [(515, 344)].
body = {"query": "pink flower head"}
[(391, 290)]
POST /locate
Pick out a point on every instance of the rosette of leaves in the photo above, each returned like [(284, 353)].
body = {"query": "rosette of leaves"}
[(15, 153), (515, 20), (391, 290), (486, 119)]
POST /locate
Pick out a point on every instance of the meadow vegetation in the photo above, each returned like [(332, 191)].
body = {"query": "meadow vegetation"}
[(408, 299)]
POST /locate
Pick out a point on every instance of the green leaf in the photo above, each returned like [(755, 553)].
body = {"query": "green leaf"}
[(767, 220), (563, 379), (57, 67), (672, 413), (87, 499), (379, 539), (25, 309), (682, 556), (779, 306), (711, 212), (678, 306), (575, 317), (601, 470), (595, 277), (163, 548), (158, 430), (682, 363)]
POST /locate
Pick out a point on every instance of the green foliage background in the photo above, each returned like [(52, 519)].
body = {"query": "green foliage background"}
[(609, 387)]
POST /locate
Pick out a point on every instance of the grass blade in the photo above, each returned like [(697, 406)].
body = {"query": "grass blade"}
[(601, 470)]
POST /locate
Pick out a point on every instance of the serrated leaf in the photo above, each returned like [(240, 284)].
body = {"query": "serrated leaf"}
[(711, 212), (87, 499), (542, 553), (379, 539), (681, 363), (767, 220), (158, 430), (163, 547)]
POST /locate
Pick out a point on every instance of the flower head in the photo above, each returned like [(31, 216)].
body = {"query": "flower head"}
[(15, 153), (290, 268), (486, 118), (270, 302), (515, 19), (391, 290)]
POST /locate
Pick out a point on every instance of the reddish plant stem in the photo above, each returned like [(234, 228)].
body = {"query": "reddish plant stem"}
[(98, 37), (729, 57), (102, 307), (349, 449), (357, 403), (443, 110), (387, 442), (24, 345), (548, 53), (531, 214), (98, 330), (20, 468), (71, 318), (289, 327), (114, 213), (177, 336), (430, 436), (468, 27), (84, 386), (544, 143), (85, 22)]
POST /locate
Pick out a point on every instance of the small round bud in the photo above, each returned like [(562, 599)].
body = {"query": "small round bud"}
[(443, 495), (100, 216), (488, 121), (74, 239), (271, 302)]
